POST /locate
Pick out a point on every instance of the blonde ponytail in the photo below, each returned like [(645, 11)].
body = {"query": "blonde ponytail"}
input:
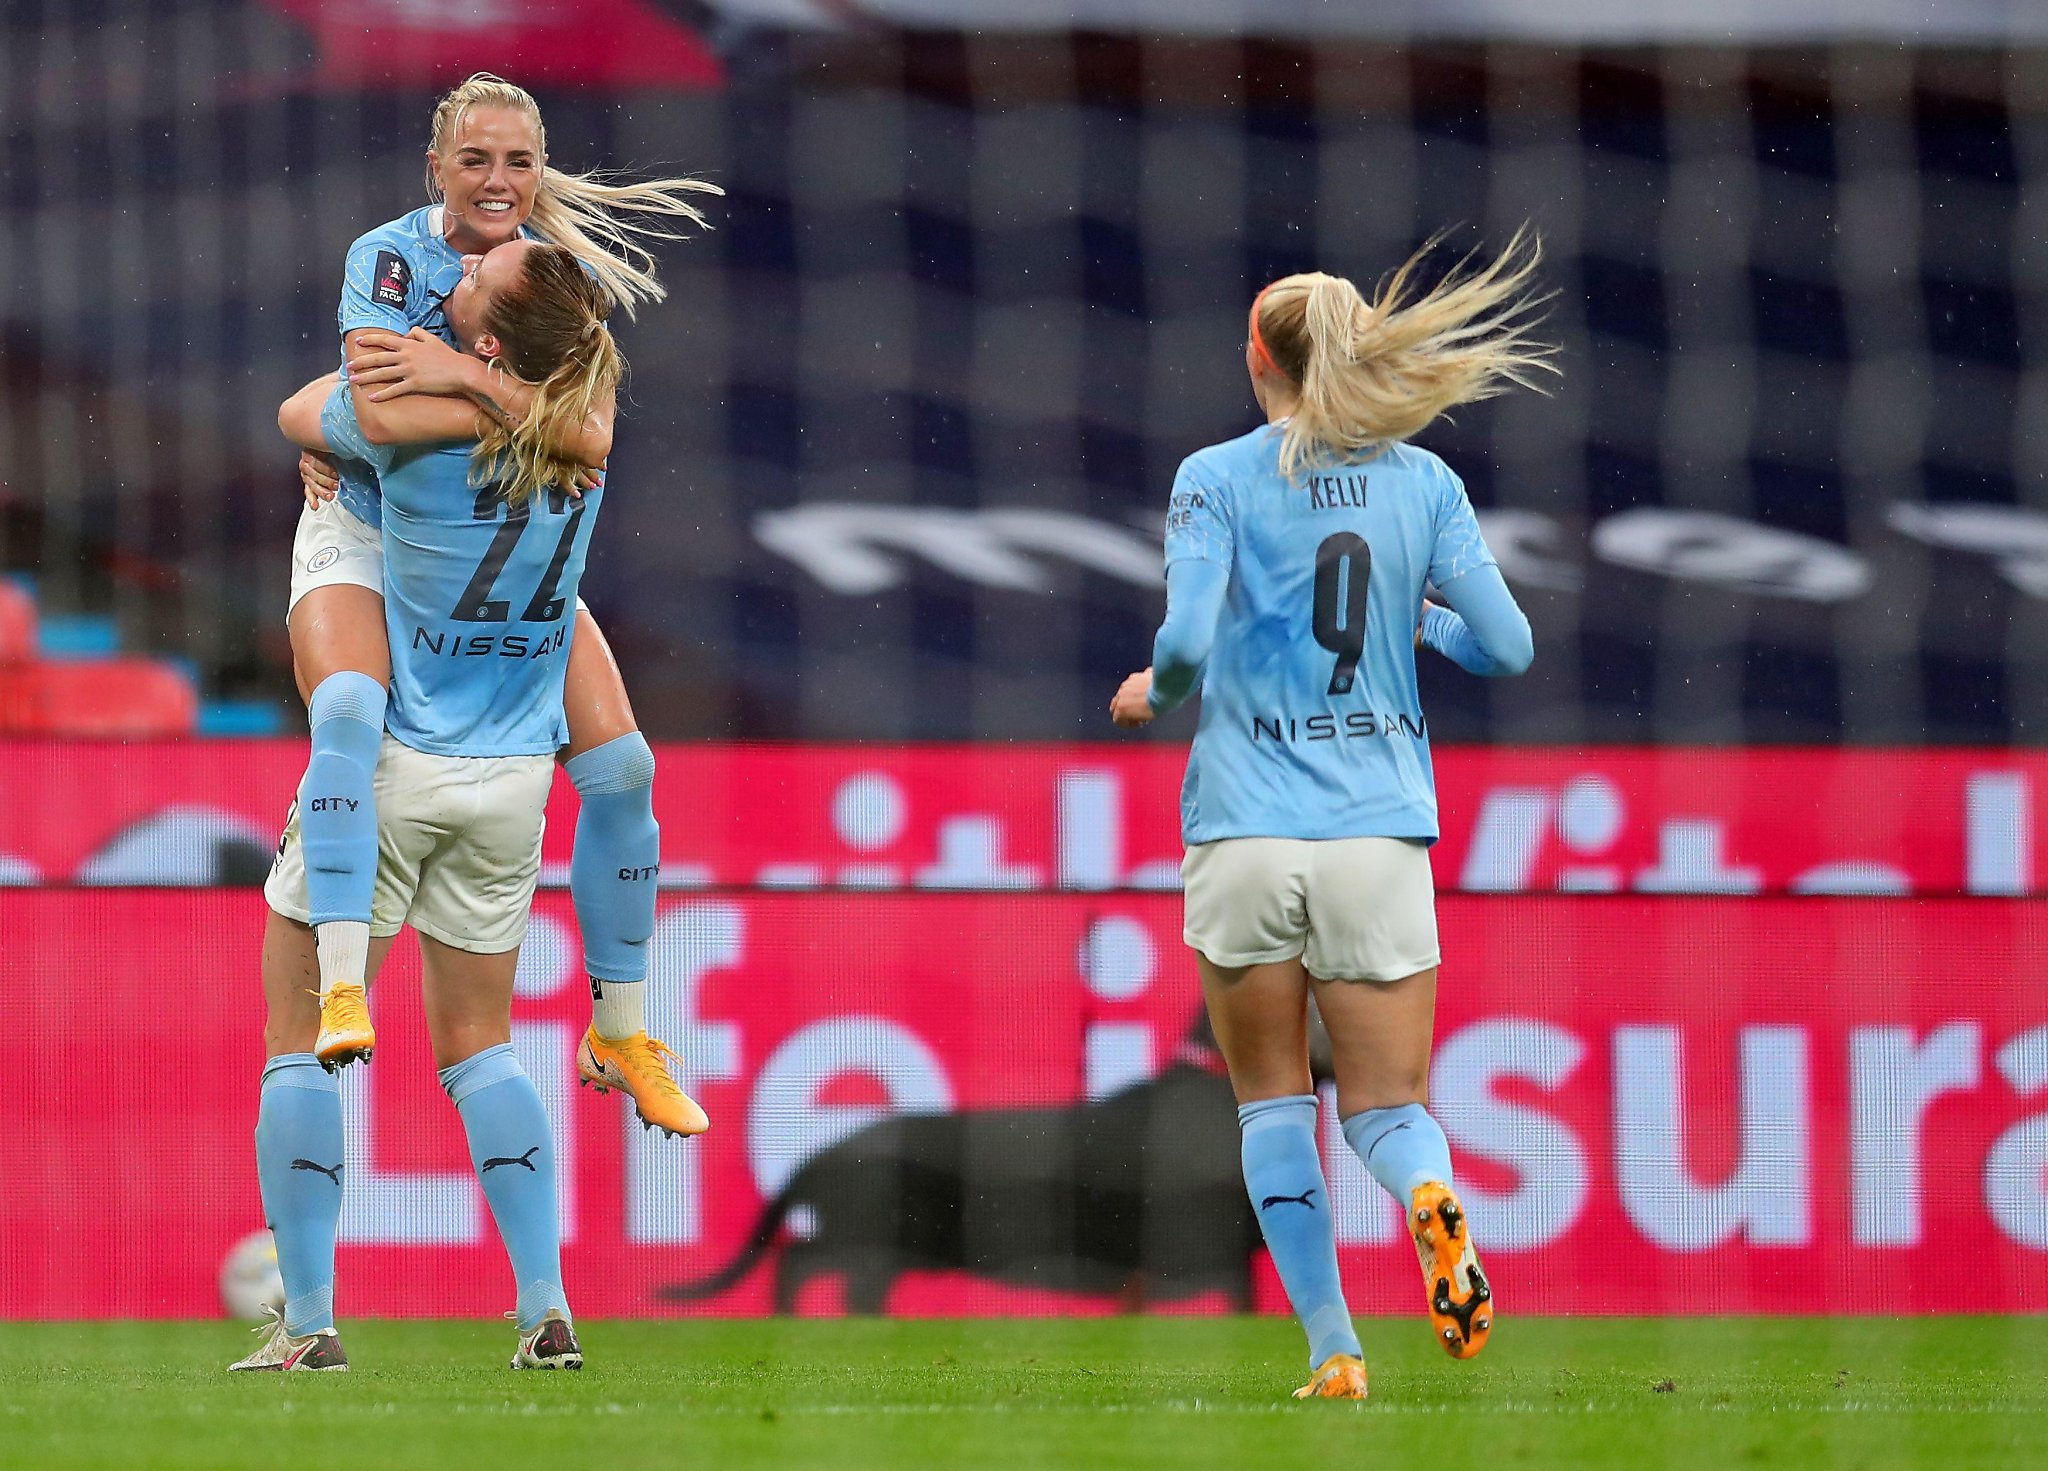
[(550, 325), (586, 214), (1372, 373)]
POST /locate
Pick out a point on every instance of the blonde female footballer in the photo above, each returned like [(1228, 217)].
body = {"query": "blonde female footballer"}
[(488, 169), (1297, 557)]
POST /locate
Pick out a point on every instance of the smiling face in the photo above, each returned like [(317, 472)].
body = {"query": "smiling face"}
[(489, 169), (484, 279)]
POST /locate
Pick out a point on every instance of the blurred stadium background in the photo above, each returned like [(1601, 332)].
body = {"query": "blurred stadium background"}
[(1734, 940)]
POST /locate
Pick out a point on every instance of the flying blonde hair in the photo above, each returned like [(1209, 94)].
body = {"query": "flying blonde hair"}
[(1373, 372), (584, 213), (551, 333)]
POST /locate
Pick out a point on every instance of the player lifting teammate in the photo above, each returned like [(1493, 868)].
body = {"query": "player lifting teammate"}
[(487, 164), (1296, 562), (482, 542)]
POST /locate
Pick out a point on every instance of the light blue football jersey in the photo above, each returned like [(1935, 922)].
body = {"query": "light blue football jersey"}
[(479, 601), (1310, 724), (397, 276)]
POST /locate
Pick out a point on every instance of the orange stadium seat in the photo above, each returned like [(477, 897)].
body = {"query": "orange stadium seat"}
[(17, 625), (129, 698)]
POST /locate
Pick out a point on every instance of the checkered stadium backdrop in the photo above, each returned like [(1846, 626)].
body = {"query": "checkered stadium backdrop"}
[(897, 444), (893, 470)]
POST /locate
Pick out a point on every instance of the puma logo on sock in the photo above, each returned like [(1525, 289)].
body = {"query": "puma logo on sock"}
[(333, 1174), (1301, 1199), (1404, 1124), (516, 1159)]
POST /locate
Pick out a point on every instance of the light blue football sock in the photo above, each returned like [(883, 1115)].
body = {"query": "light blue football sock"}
[(299, 1168), (1284, 1174), (613, 876), (337, 798), (514, 1156), (1402, 1147)]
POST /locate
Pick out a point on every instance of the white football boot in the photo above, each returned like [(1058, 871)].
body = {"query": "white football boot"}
[(552, 1345), (279, 1350)]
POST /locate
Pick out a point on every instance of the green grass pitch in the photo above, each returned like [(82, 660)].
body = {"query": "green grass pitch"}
[(1173, 1392)]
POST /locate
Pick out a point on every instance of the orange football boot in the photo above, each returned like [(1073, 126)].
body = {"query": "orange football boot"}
[(1340, 1376), (1460, 1299), (639, 1065), (345, 1031)]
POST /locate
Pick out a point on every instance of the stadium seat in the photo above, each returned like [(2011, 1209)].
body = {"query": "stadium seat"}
[(17, 625), (127, 698)]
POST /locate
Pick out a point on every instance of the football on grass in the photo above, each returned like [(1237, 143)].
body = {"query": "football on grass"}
[(249, 1279)]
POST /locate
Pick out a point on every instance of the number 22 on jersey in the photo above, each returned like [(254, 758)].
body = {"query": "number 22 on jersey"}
[(476, 605)]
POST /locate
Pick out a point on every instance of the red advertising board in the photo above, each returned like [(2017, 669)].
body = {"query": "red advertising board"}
[(403, 43), (1658, 1105), (1093, 818)]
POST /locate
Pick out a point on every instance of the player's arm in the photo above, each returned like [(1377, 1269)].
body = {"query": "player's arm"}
[(510, 400), (1484, 631), (422, 420), (1200, 547), (386, 369), (415, 418), (298, 417), (1180, 651)]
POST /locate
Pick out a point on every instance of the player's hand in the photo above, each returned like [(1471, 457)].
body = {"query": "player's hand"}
[(319, 478), (573, 480), (419, 362), (1420, 619), (1131, 708)]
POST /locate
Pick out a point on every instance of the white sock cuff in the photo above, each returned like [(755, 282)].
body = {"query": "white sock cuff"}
[(310, 1313), (618, 1009), (344, 949)]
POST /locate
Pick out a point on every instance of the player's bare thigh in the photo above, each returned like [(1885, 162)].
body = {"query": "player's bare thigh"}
[(468, 999), (1260, 1014), (336, 628), (1381, 1034), (291, 983), (594, 692)]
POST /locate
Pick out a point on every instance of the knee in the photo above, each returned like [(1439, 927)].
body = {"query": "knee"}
[(347, 695), (625, 764), (460, 1042), (1257, 1082), (285, 1035), (1388, 1091)]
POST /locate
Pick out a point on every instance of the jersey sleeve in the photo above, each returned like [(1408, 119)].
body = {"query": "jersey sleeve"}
[(379, 287), (1197, 520), (1459, 546), (344, 435)]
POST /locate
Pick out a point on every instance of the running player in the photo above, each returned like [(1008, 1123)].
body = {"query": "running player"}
[(483, 552), (487, 164), (1296, 560)]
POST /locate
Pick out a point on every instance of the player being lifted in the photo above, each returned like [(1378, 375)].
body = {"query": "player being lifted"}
[(487, 164), (483, 550), (1296, 559)]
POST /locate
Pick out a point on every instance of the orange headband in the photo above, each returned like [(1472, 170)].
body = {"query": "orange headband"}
[(1258, 342)]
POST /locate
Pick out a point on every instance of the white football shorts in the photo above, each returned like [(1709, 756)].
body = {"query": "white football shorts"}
[(333, 546), (458, 848), (1353, 909)]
